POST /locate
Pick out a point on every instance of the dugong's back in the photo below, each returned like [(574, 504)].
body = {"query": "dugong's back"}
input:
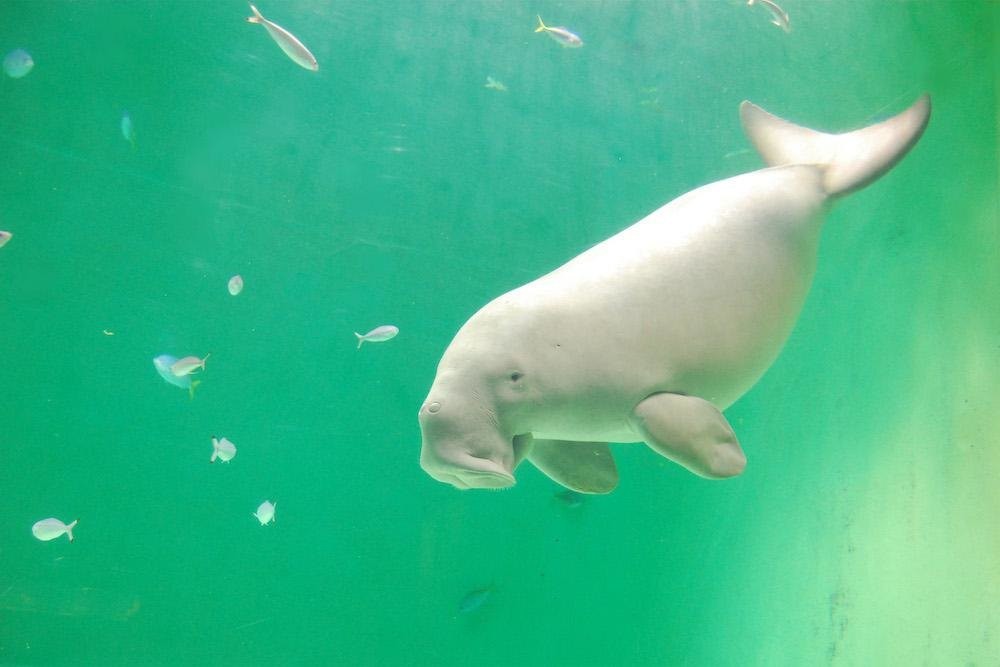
[(699, 296)]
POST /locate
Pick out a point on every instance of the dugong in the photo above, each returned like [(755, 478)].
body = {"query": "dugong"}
[(649, 335)]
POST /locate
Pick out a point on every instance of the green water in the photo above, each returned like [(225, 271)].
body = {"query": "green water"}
[(393, 187)]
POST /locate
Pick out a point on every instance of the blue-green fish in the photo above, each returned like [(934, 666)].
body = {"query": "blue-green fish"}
[(473, 600), (18, 63), (570, 498), (128, 131)]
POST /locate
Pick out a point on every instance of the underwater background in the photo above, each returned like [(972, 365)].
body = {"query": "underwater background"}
[(393, 187)]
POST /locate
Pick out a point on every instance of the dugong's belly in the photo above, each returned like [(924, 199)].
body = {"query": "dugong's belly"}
[(697, 298)]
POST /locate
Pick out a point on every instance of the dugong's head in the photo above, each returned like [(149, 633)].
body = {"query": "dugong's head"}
[(468, 421)]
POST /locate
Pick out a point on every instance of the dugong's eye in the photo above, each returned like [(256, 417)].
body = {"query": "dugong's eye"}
[(516, 375)]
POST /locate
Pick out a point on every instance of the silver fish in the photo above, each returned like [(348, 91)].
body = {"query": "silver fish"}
[(222, 449), (188, 365), (50, 529), (378, 334), (560, 34), (4, 237), (292, 47), (265, 512), (779, 16)]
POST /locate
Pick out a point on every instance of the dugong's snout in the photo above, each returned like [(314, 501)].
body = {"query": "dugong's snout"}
[(467, 456)]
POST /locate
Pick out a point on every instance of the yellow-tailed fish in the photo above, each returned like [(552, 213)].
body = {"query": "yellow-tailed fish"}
[(163, 363), (495, 85), (560, 34)]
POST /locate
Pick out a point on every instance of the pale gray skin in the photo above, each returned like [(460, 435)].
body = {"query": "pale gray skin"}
[(649, 335)]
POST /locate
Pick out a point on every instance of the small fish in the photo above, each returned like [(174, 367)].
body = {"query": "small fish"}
[(561, 35), (570, 498), (737, 153), (652, 105), (378, 334), (4, 237), (163, 363), (779, 16), (292, 47), (265, 512), (188, 365), (495, 85), (473, 600), (107, 332), (128, 131), (222, 449), (235, 285), (50, 529), (17, 63)]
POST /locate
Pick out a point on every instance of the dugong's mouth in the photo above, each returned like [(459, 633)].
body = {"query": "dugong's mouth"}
[(472, 473), (474, 479)]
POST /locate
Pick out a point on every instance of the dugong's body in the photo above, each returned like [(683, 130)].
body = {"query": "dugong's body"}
[(650, 334)]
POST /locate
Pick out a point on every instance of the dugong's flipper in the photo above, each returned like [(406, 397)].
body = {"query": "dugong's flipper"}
[(690, 431), (587, 467), (851, 160)]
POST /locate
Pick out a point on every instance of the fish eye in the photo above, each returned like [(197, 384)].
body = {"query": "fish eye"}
[(516, 375)]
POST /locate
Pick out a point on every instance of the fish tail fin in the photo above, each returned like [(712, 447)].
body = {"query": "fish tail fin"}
[(361, 339), (70, 527), (850, 160), (541, 26), (215, 455), (257, 16)]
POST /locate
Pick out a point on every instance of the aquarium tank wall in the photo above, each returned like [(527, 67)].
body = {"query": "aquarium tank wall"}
[(238, 199)]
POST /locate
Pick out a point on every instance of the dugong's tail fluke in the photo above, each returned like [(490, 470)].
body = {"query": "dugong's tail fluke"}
[(852, 160)]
